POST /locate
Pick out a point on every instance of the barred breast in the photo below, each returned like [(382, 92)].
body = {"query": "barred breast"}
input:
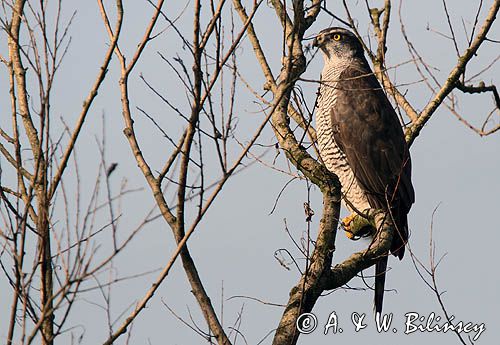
[(333, 157)]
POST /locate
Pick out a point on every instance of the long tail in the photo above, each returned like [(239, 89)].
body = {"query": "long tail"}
[(380, 269)]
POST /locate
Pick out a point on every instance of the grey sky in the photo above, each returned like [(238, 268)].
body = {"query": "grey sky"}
[(234, 245)]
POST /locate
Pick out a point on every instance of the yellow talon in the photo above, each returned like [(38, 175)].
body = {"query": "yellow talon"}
[(349, 235), (346, 223)]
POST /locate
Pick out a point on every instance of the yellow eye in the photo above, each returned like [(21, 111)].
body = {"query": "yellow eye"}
[(337, 37)]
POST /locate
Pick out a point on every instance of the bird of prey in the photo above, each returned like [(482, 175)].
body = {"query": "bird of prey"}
[(361, 140)]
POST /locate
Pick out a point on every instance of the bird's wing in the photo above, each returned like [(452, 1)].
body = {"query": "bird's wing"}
[(368, 131)]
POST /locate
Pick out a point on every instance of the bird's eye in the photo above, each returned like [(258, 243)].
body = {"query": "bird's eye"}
[(337, 37)]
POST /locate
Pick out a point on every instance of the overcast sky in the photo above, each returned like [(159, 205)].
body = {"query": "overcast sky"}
[(453, 168)]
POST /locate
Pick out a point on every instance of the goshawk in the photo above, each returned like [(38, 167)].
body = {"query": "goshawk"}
[(361, 140)]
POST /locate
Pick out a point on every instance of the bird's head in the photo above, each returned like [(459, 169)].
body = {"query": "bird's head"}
[(338, 43)]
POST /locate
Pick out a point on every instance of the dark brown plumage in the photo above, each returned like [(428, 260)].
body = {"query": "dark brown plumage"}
[(367, 130)]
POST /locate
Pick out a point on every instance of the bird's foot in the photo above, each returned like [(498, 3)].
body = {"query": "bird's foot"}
[(346, 223), (357, 226)]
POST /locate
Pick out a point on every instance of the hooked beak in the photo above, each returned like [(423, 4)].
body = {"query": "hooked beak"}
[(317, 42)]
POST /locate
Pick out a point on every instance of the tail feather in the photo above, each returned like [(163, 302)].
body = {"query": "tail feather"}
[(380, 269)]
